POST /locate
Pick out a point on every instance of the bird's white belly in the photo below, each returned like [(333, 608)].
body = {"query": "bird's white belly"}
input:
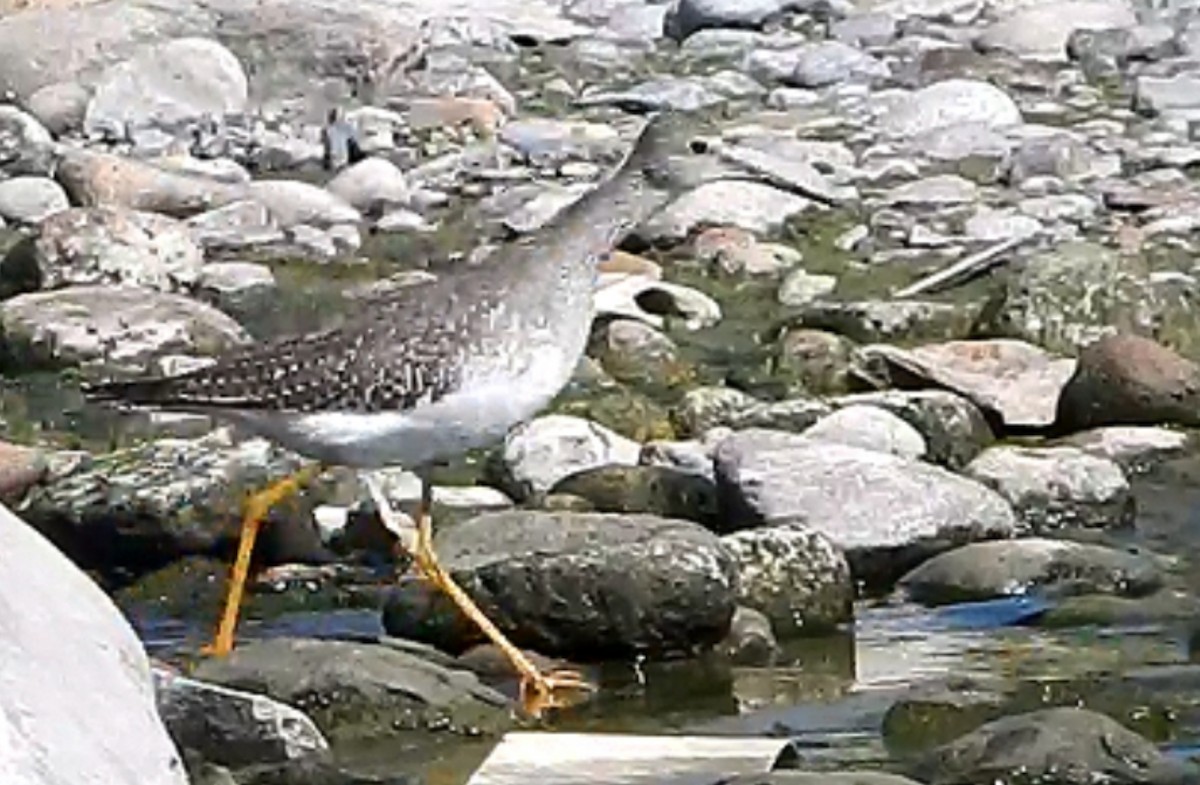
[(476, 416)]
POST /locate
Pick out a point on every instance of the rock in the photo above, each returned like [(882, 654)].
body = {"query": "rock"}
[(792, 414), (947, 103), (1157, 94), (238, 288), (25, 145), (755, 207), (702, 408), (993, 226), (686, 17), (871, 428), (987, 570), (1134, 448), (751, 641), (1041, 32), (940, 190), (359, 689), (1129, 380), (240, 224), (371, 186), (815, 360), (795, 576), (1064, 745), (579, 585), (953, 429), (30, 200), (233, 728), (95, 179), (1075, 208), (880, 509), (60, 107), (1014, 382), (134, 510), (633, 351), (292, 202), (1053, 488), (934, 712), (109, 329), (656, 490), (1070, 296), (649, 300), (1170, 606), (20, 469), (819, 778), (86, 246), (167, 85), (867, 321), (65, 694), (830, 62), (664, 93), (538, 454)]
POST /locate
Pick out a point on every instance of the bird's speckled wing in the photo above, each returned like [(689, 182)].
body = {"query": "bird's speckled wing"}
[(403, 353)]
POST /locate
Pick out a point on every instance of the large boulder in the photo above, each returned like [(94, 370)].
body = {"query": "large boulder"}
[(76, 707)]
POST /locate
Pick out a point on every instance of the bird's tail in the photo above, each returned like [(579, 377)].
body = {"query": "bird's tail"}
[(137, 392)]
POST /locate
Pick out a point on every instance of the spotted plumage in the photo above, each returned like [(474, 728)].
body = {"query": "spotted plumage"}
[(429, 371)]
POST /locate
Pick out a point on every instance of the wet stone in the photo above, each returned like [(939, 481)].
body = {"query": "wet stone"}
[(987, 570), (361, 690), (580, 585)]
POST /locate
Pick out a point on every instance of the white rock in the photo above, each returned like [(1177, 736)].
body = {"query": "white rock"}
[(538, 454), (78, 700)]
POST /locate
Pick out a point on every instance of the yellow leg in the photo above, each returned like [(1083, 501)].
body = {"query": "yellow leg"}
[(539, 691), (257, 508)]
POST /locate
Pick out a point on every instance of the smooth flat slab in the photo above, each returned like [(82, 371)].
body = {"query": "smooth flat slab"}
[(620, 759)]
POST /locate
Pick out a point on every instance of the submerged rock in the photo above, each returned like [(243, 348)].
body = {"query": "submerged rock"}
[(1067, 746), (579, 585), (986, 570), (357, 690), (795, 576)]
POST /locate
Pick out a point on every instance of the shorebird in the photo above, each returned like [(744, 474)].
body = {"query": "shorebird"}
[(428, 372)]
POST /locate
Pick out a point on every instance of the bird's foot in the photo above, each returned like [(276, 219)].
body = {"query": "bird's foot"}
[(558, 689)]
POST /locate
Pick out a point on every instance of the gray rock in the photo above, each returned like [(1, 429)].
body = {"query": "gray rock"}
[(936, 191), (359, 689), (869, 427), (1041, 32), (240, 224), (25, 145), (292, 203), (67, 692), (693, 456), (986, 570), (30, 200), (231, 727), (371, 186), (832, 62), (665, 491), (87, 246), (993, 226), (791, 414), (1064, 745), (751, 641), (801, 287), (702, 408), (867, 321), (136, 509), (107, 329), (954, 430), (1019, 384), (631, 350), (880, 509), (933, 712), (1056, 487), (60, 107), (538, 454), (1158, 94), (663, 93), (686, 17), (820, 778), (946, 103), (755, 207), (795, 576), (238, 288), (94, 179), (790, 164), (168, 85), (865, 29), (582, 585), (1133, 448), (1075, 208)]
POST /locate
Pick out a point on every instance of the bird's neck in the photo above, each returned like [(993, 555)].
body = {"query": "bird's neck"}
[(592, 226)]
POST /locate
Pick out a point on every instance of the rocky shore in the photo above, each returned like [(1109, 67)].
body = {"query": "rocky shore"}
[(940, 366)]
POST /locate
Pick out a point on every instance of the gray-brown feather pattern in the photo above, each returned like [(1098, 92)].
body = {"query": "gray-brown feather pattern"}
[(403, 353)]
